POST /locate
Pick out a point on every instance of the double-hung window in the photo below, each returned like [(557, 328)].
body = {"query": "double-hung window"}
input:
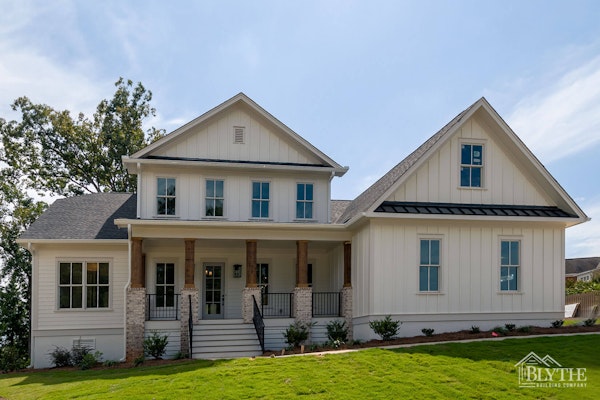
[(214, 198), (510, 260), (83, 285), (304, 200), (471, 165), (165, 285), (429, 265), (165, 196), (262, 280), (260, 199)]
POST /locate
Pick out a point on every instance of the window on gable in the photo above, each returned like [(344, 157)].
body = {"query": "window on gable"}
[(83, 283), (471, 165), (260, 199), (510, 260), (304, 200), (165, 196), (429, 265), (165, 285), (214, 198)]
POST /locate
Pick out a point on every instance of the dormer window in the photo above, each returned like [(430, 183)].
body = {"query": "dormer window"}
[(471, 165)]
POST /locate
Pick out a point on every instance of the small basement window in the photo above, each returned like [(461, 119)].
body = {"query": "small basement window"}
[(239, 133)]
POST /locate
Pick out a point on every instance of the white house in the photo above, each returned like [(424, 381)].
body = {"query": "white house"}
[(233, 227)]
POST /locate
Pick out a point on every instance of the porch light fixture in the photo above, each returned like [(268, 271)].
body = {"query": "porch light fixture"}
[(237, 270)]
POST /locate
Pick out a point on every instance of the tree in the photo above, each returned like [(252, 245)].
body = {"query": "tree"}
[(54, 154), (65, 156)]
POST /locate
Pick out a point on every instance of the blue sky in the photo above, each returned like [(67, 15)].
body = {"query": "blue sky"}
[(364, 81)]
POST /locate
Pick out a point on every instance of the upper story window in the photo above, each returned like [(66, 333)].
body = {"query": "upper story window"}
[(165, 196), (471, 165), (214, 198), (304, 200), (429, 266), (260, 199), (510, 262), (83, 283)]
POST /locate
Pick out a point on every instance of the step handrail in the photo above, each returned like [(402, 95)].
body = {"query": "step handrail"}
[(259, 324)]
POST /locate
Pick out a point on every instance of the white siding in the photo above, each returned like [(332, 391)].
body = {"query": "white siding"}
[(470, 269), (47, 314), (438, 178)]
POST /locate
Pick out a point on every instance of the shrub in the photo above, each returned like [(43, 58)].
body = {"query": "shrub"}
[(427, 331), (525, 329), (179, 356), (156, 345), (110, 363), (296, 333), (89, 360), (60, 357), (138, 361), (500, 330), (509, 327), (337, 331), (558, 323), (589, 322), (475, 329), (11, 359), (385, 328)]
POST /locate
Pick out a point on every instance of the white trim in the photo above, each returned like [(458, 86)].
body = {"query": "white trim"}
[(441, 269), (509, 238), (485, 176)]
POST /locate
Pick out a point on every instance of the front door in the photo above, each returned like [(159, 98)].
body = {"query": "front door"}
[(214, 297)]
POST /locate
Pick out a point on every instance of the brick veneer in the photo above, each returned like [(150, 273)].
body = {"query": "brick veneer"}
[(136, 318)]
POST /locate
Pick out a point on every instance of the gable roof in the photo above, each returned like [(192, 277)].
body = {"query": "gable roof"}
[(579, 265), (240, 98), (377, 193), (84, 217)]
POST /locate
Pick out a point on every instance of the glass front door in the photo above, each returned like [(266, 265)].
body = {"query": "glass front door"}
[(214, 297)]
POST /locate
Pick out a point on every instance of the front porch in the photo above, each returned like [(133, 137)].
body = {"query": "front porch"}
[(212, 280)]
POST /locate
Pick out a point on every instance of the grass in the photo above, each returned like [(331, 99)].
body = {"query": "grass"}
[(459, 370)]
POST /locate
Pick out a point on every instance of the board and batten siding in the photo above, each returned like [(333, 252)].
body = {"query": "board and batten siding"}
[(48, 316), (214, 140), (438, 178), (191, 191), (387, 268)]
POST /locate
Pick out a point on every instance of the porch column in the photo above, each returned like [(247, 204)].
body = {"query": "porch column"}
[(302, 292), (251, 292), (346, 295), (135, 304), (189, 297)]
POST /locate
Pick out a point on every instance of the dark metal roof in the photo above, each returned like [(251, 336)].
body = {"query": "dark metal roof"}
[(89, 216), (491, 210), (214, 160)]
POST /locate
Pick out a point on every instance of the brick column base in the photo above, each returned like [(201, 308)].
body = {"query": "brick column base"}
[(346, 308), (135, 326), (303, 304), (184, 313), (248, 303)]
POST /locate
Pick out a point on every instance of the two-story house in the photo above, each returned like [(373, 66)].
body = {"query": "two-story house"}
[(233, 227)]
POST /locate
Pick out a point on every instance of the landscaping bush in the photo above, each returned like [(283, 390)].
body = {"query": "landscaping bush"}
[(156, 345), (60, 357), (525, 329), (509, 327), (385, 328), (558, 323), (427, 331), (337, 331), (589, 322), (11, 359), (475, 329), (296, 333), (500, 330)]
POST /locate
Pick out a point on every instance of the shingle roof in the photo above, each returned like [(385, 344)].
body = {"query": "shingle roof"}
[(490, 210), (579, 265), (84, 217), (338, 207), (375, 191)]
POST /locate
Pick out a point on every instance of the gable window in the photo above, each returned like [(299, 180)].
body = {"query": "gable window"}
[(304, 200), (509, 265), (165, 285), (165, 196), (260, 199), (471, 165), (83, 283), (214, 198), (429, 266)]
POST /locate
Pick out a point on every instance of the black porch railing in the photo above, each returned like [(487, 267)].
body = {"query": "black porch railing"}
[(259, 324), (326, 304), (163, 307), (277, 305)]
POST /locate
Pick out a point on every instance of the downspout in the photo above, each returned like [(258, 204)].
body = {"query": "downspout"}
[(329, 197), (125, 293), (31, 307)]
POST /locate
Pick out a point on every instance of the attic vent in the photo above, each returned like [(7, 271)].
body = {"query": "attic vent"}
[(88, 343), (238, 134)]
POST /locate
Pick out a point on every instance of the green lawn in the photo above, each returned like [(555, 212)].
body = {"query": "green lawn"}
[(459, 370)]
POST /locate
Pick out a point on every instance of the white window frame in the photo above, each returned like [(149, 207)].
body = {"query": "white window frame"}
[(84, 284), (214, 199), (268, 200), (519, 266), (439, 266), (166, 197), (304, 202), (164, 285), (484, 168)]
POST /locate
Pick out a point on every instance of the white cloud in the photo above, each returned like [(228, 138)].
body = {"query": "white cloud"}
[(565, 118), (584, 240)]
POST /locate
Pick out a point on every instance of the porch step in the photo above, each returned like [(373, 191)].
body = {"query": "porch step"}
[(224, 339)]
